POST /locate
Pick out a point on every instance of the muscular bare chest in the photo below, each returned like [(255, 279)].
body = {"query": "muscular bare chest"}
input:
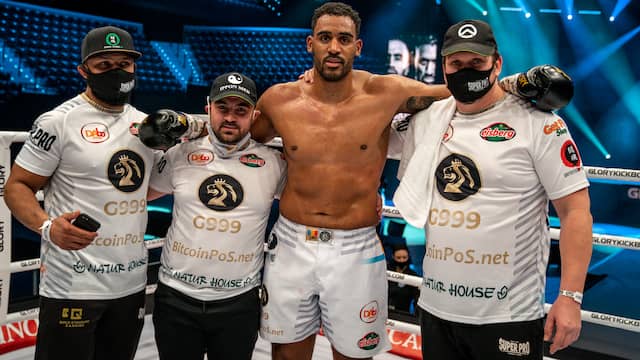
[(354, 130)]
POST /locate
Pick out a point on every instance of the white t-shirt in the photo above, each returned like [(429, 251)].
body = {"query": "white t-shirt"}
[(96, 166), (214, 246), (487, 232)]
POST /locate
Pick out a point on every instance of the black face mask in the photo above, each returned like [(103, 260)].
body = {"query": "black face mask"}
[(468, 85), (401, 263), (113, 87)]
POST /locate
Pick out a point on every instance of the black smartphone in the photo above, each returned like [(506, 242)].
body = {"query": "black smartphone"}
[(86, 222)]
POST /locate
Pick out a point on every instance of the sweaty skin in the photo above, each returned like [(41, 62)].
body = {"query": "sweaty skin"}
[(335, 130)]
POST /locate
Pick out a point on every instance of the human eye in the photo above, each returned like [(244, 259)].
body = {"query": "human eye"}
[(103, 65), (241, 111), (477, 62)]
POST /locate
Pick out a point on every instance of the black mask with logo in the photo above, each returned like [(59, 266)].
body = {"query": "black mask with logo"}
[(113, 87), (468, 85)]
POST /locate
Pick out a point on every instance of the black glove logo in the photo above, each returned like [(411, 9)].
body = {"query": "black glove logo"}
[(126, 170), (221, 192)]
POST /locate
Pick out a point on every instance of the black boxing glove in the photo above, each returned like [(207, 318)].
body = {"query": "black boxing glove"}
[(546, 85), (165, 128)]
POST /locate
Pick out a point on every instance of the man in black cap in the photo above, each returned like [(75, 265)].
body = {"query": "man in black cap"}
[(81, 153), (478, 171), (207, 299)]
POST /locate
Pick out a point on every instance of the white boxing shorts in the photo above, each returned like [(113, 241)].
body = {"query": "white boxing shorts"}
[(336, 278)]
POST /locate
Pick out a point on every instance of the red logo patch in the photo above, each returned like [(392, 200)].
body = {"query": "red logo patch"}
[(498, 132), (95, 132), (252, 160), (369, 312), (369, 341), (200, 157), (569, 154)]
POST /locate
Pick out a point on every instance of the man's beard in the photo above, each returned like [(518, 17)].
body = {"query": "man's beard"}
[(333, 75), (228, 139)]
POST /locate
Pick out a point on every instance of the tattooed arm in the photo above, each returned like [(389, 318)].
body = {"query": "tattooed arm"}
[(416, 95), (417, 103)]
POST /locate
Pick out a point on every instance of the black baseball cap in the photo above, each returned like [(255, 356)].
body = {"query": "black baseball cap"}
[(108, 39), (469, 35), (234, 84)]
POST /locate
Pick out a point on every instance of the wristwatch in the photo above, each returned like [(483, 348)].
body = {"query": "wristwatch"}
[(575, 295)]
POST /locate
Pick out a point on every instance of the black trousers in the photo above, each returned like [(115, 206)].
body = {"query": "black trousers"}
[(90, 329), (187, 328), (447, 340)]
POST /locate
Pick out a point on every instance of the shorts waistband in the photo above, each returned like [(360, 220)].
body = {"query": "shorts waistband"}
[(320, 234)]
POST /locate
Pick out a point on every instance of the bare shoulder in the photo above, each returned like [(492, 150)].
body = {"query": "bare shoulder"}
[(278, 93), (383, 83)]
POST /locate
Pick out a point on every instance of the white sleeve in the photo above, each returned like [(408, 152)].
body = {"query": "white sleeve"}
[(162, 174), (42, 150), (556, 157)]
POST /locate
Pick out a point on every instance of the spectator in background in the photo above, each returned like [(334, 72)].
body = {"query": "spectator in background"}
[(399, 58), (402, 297)]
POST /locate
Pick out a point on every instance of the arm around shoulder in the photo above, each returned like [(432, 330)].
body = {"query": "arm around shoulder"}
[(415, 95)]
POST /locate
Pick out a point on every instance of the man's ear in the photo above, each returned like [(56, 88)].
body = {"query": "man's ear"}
[(498, 66), (207, 108), (309, 42), (359, 44), (82, 71), (256, 114)]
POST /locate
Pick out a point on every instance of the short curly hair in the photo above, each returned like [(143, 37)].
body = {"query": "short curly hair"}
[(336, 9)]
